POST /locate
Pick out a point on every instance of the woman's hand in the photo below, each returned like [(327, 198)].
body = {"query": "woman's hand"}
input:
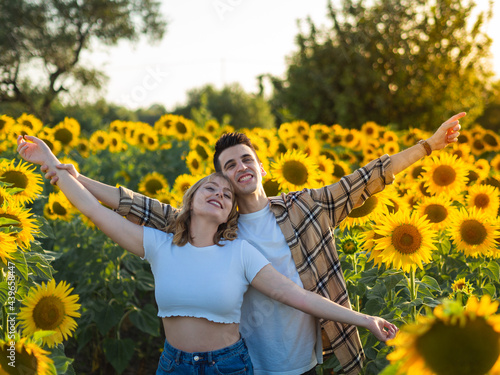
[(34, 151)]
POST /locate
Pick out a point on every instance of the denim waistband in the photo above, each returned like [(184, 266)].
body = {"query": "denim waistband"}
[(180, 356)]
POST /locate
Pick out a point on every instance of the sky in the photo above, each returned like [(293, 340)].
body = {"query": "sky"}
[(218, 42)]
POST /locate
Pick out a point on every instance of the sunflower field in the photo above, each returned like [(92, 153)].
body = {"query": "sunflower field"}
[(424, 253)]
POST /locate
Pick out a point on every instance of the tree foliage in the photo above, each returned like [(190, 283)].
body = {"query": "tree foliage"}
[(408, 62), (41, 44), (230, 105)]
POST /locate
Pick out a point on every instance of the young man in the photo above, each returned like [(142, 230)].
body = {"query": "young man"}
[(294, 232)]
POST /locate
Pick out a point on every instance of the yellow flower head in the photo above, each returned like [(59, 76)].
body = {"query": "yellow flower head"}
[(8, 246), (453, 340), (495, 164), (29, 358), (407, 240), (485, 198), (26, 226), (371, 209), (50, 307), (30, 122), (6, 122), (294, 170), (472, 233), (152, 183), (67, 132), (58, 207), (99, 140), (23, 178), (445, 174), (437, 209), (461, 286)]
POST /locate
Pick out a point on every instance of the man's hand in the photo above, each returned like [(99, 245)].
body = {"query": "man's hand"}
[(34, 151), (382, 329), (52, 175), (447, 133)]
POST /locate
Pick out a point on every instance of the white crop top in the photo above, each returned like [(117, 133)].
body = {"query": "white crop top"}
[(201, 282)]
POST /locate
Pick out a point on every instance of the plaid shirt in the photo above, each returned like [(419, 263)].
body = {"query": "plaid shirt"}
[(306, 218)]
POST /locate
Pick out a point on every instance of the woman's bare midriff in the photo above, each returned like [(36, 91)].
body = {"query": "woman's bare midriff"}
[(199, 334)]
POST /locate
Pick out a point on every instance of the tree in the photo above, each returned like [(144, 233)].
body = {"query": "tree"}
[(41, 43), (229, 105), (408, 62)]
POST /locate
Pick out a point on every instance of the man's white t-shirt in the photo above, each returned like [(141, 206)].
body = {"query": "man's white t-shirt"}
[(281, 340)]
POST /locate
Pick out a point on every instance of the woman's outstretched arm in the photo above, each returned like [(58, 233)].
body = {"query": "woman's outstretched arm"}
[(276, 286), (126, 234)]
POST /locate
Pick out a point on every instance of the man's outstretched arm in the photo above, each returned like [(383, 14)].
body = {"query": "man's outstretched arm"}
[(439, 140)]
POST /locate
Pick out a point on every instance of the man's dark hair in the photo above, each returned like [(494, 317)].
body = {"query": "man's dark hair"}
[(229, 140)]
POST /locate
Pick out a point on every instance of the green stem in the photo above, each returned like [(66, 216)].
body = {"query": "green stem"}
[(413, 294), (355, 266)]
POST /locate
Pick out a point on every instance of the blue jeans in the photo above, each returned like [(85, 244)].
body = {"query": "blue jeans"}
[(231, 360)]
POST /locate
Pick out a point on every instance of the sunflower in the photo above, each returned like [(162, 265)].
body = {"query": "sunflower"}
[(212, 126), (325, 168), (452, 340), (115, 142), (374, 206), (271, 187), (67, 132), (461, 151), (26, 225), (371, 130), (492, 140), (152, 183), (8, 246), (99, 140), (464, 137), (30, 122), (350, 244), (321, 132), (485, 198), (23, 178), (184, 182), (352, 138), (118, 126), (182, 129), (407, 240), (150, 141), (461, 286), (30, 359), (367, 238), (495, 164), (445, 174), (83, 147), (168, 197), (478, 146), (340, 169), (195, 163), (391, 148), (294, 170), (50, 307), (58, 207), (5, 195), (472, 234), (437, 209), (6, 122), (390, 136)]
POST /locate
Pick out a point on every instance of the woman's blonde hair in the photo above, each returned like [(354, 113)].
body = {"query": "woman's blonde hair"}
[(179, 226)]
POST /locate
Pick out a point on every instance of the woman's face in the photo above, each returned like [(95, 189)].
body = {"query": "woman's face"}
[(213, 199)]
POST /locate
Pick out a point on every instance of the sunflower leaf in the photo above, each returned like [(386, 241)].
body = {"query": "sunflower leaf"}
[(492, 270), (146, 320), (118, 352)]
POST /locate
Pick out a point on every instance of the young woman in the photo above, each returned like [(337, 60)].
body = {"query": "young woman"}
[(201, 272)]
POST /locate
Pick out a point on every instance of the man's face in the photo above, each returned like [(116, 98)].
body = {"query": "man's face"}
[(240, 165)]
